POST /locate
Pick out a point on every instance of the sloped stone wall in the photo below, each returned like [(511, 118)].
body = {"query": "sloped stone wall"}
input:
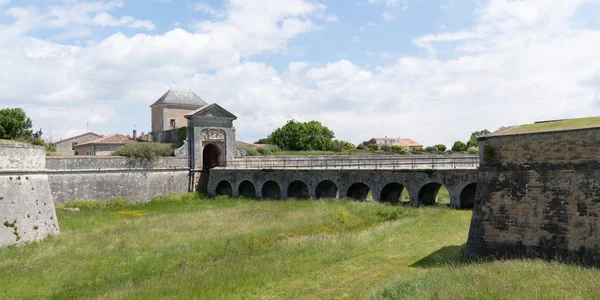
[(26, 208), (538, 196)]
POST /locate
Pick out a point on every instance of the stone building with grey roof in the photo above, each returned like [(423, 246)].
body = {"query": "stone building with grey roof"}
[(67, 146), (168, 113)]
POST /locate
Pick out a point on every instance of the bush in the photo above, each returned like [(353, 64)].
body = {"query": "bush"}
[(373, 147), (473, 150), (431, 149), (418, 149), (459, 147), (361, 147), (386, 148), (144, 151), (400, 149), (441, 147)]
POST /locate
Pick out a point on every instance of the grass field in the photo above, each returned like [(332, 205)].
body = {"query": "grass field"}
[(552, 126), (185, 247)]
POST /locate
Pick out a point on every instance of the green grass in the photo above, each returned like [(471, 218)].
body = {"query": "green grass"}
[(189, 247), (553, 126)]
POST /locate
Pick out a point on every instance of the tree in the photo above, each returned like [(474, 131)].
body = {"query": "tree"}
[(474, 135), (14, 124), (400, 149), (440, 147), (386, 148), (263, 141), (459, 147), (299, 136), (339, 145)]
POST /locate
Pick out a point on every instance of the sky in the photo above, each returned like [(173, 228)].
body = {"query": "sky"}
[(430, 70)]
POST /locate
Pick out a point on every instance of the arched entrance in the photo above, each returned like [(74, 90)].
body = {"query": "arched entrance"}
[(247, 189), (298, 190), (392, 193), (327, 189), (358, 191), (224, 188), (467, 196), (211, 156)]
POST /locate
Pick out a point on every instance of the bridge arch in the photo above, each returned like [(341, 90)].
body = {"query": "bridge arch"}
[(211, 156), (467, 195), (298, 189), (358, 191), (224, 188), (392, 193), (327, 189), (429, 193), (271, 190), (247, 189)]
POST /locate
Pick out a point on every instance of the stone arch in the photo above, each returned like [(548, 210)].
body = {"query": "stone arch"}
[(298, 189), (392, 193), (467, 195), (247, 189), (271, 190), (327, 189), (428, 194), (224, 188), (211, 156), (358, 191)]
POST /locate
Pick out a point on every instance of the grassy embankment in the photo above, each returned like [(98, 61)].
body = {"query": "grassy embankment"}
[(236, 248), (552, 126)]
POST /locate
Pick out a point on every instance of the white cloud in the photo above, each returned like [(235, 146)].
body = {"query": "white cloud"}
[(332, 18), (390, 3), (208, 9), (387, 16), (518, 64)]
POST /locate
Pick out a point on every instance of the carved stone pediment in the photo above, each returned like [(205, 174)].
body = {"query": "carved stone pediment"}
[(211, 111), (213, 134)]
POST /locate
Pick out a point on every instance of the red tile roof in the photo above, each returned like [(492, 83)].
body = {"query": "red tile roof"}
[(110, 140)]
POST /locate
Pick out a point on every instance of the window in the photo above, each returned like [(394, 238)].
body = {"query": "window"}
[(172, 123), (73, 144)]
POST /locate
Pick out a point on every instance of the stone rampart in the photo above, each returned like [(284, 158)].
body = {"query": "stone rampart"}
[(538, 196), (26, 208), (91, 178)]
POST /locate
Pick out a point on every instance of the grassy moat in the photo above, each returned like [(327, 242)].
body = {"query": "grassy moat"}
[(189, 247)]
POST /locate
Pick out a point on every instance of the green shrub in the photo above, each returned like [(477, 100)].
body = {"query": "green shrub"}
[(400, 149), (441, 147), (392, 213), (144, 151), (386, 148), (459, 147), (373, 147), (418, 149), (473, 150)]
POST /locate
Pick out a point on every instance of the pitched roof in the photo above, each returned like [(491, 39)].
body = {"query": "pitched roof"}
[(111, 139), (181, 97), (399, 141), (77, 136), (212, 110)]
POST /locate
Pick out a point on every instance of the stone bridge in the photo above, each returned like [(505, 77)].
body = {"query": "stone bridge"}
[(359, 178)]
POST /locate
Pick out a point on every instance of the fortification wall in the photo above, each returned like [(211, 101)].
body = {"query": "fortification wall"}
[(26, 208), (93, 178), (538, 196)]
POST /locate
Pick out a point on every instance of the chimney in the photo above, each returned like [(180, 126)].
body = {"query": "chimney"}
[(135, 135)]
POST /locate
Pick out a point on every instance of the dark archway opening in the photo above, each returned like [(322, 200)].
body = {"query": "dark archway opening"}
[(247, 189), (224, 188), (271, 190), (433, 193), (392, 193), (298, 190), (327, 190), (358, 191), (211, 156), (467, 196)]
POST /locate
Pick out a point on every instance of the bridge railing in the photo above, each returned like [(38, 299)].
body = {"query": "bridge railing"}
[(384, 163)]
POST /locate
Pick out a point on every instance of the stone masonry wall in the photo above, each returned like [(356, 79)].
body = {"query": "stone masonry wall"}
[(538, 196), (26, 207), (105, 178)]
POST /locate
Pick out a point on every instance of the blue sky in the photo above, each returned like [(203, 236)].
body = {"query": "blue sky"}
[(433, 71)]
